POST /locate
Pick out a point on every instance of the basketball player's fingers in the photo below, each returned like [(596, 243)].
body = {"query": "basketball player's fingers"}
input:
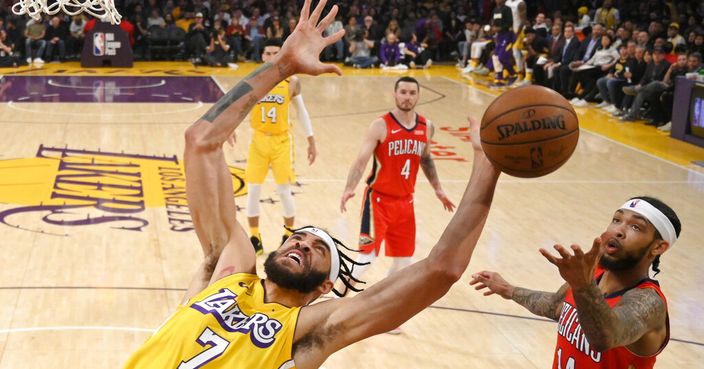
[(489, 293), (328, 19), (305, 12), (329, 68), (334, 37), (562, 251), (315, 15), (551, 258), (596, 246), (577, 251)]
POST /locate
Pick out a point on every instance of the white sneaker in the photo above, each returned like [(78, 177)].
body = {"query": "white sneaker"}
[(428, 64), (574, 100), (412, 65), (602, 104), (666, 128), (233, 65), (29, 60), (482, 71), (580, 103), (468, 69), (522, 83), (611, 109), (38, 61)]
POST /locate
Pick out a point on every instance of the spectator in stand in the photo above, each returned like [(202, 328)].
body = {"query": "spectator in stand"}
[(635, 71), (223, 16), (237, 13), (611, 83), (414, 55), (197, 39), (541, 28), (169, 21), (374, 31), (698, 45), (643, 39), (470, 34), (596, 67), (155, 19), (335, 51), (74, 44), (351, 29), (561, 66), (394, 28), (255, 36), (14, 33), (502, 23), (235, 36), (34, 33), (673, 35), (556, 41), (645, 90), (585, 21), (275, 30), (390, 53), (361, 50), (8, 55), (586, 51), (654, 91), (56, 36), (607, 15), (219, 49), (292, 21), (694, 65)]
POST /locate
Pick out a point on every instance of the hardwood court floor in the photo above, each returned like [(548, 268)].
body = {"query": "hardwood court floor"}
[(89, 269)]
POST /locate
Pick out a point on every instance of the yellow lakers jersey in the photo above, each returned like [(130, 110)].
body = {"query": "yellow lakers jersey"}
[(270, 114), (227, 325)]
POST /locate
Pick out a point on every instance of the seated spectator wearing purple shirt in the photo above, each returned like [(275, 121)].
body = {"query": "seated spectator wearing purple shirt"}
[(389, 52)]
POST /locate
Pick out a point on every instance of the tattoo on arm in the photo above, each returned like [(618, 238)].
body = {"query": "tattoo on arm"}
[(541, 303), (428, 166), (639, 311), (233, 95), (240, 90)]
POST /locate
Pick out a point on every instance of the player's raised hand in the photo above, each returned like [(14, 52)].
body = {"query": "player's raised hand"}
[(576, 268), (301, 51), (446, 202), (493, 282)]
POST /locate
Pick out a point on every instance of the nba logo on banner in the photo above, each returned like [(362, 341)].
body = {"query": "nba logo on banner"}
[(99, 44)]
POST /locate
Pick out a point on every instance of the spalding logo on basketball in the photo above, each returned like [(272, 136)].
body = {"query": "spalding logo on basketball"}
[(529, 131)]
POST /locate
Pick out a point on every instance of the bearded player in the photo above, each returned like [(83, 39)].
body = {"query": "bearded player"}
[(610, 313), (233, 319)]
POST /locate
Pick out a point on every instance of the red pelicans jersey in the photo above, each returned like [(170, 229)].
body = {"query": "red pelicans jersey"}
[(396, 160), (573, 351)]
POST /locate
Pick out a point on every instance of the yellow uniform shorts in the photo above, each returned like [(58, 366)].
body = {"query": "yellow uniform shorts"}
[(270, 151)]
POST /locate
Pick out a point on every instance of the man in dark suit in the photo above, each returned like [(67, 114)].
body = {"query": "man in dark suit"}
[(568, 54)]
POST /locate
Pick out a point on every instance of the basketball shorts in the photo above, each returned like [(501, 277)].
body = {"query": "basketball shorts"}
[(270, 151), (389, 219)]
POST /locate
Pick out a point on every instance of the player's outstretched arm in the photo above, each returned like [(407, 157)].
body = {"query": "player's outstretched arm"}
[(208, 180), (375, 133), (546, 304), (397, 298)]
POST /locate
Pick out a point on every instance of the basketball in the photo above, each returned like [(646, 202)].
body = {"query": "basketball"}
[(529, 131)]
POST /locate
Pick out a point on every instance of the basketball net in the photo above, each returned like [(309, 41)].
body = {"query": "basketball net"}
[(102, 9)]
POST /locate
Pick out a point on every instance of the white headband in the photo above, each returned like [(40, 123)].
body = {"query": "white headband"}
[(654, 216), (334, 254)]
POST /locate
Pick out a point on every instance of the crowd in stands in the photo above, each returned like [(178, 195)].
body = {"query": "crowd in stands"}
[(624, 54)]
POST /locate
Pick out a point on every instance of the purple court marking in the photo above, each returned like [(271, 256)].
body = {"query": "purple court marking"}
[(104, 89)]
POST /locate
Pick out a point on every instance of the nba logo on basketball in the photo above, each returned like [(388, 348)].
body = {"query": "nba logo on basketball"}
[(99, 44)]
